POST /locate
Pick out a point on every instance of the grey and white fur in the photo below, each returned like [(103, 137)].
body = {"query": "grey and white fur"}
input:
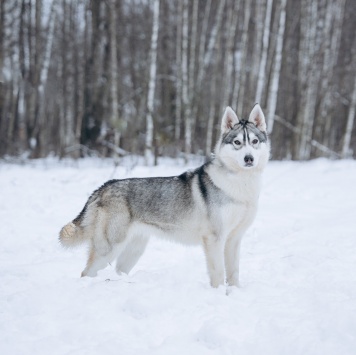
[(212, 206)]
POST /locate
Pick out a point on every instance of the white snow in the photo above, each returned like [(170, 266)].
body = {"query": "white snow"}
[(298, 271)]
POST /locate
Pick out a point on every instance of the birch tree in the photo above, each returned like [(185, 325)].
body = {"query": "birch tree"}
[(308, 76), (2, 47), (332, 39), (240, 60), (203, 38), (41, 129), (67, 112), (263, 62), (274, 83), (192, 51), (65, 79), (229, 56), (178, 99), (345, 152), (114, 119), (259, 16), (185, 83), (151, 85), (201, 53), (212, 104), (206, 59)]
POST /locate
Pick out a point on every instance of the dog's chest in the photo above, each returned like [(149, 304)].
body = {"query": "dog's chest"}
[(236, 215)]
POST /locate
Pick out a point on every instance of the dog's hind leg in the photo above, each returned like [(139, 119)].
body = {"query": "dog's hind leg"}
[(130, 255), (107, 241), (96, 262)]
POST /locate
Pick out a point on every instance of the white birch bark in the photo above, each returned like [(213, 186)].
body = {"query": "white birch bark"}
[(274, 84), (149, 157), (349, 125), (263, 62)]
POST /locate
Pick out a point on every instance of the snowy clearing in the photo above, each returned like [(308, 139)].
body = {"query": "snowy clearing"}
[(298, 264)]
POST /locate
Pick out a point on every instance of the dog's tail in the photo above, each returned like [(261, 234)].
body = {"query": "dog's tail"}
[(78, 231), (82, 228), (71, 235)]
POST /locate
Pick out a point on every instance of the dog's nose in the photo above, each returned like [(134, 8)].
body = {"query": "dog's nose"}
[(248, 159)]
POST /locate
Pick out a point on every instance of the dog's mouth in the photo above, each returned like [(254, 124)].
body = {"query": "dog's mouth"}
[(249, 165)]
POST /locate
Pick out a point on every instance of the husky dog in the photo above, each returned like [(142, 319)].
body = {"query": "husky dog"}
[(211, 206)]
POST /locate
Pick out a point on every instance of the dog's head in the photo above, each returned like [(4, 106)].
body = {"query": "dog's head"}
[(243, 144)]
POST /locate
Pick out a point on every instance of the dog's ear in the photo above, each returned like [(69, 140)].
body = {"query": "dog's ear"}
[(258, 118), (229, 120)]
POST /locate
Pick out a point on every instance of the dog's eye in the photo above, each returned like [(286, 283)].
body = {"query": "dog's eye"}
[(255, 141), (237, 142)]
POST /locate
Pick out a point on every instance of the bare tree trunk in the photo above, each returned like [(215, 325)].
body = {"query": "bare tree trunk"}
[(229, 57), (211, 45), (307, 77), (80, 74), (203, 37), (212, 106), (2, 47), (240, 73), (185, 83), (68, 82), (192, 51), (263, 62), (350, 123), (114, 100), (202, 43), (191, 73), (274, 84), (35, 63), (312, 84), (41, 129), (149, 156), (260, 8), (332, 39), (21, 104), (178, 100)]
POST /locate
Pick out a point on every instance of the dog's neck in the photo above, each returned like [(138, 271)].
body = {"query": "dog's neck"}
[(241, 185)]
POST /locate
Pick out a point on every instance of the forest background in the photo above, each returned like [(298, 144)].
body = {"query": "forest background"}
[(111, 78)]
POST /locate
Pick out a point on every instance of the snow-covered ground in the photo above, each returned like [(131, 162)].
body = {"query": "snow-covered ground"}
[(298, 271)]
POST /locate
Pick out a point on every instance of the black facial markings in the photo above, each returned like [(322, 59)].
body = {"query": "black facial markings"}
[(244, 127)]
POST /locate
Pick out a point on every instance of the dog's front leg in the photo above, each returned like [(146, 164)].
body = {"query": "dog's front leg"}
[(214, 252), (232, 260)]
